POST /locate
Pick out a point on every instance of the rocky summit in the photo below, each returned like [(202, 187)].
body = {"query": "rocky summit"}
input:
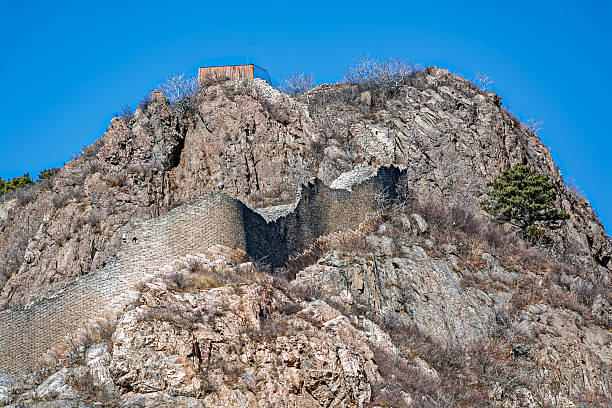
[(242, 247)]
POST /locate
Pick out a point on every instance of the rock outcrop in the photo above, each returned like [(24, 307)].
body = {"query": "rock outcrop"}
[(419, 301), (256, 144)]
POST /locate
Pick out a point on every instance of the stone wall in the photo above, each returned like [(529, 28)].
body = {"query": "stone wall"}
[(323, 210), (27, 332)]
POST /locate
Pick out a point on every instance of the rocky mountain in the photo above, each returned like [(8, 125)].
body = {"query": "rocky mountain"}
[(418, 300)]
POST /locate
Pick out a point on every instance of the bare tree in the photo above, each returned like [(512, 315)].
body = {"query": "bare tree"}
[(125, 112), (180, 91), (483, 81), (179, 86), (392, 71), (534, 125), (297, 83)]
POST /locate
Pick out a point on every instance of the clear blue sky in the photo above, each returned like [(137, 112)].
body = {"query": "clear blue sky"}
[(68, 66)]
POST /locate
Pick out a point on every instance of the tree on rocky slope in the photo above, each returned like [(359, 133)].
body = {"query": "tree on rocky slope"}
[(14, 183), (48, 173), (524, 198), (297, 83)]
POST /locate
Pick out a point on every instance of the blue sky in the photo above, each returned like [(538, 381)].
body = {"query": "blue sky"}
[(68, 66)]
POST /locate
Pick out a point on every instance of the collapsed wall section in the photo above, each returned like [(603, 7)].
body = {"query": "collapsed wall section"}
[(323, 210)]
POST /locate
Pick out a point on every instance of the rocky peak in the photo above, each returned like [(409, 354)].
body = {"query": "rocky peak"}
[(428, 289)]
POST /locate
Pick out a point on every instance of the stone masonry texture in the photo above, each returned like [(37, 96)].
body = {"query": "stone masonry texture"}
[(26, 332)]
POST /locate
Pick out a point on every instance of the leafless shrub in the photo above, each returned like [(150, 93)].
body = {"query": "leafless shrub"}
[(195, 274), (139, 168), (126, 112), (74, 343), (483, 81), (534, 125), (305, 291), (117, 179), (290, 308), (194, 265), (145, 102), (92, 149), (279, 111), (90, 167), (175, 315), (400, 379), (404, 196), (389, 71), (26, 194), (384, 77), (61, 199), (181, 91), (178, 86), (571, 185), (271, 327), (297, 83)]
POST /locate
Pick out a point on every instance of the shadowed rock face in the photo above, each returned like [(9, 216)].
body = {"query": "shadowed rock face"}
[(256, 144)]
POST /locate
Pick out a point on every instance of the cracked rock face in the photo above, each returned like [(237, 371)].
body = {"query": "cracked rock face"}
[(220, 333), (258, 145), (260, 344), (233, 358)]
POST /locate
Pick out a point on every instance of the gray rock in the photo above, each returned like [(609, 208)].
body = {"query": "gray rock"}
[(420, 223), (55, 387)]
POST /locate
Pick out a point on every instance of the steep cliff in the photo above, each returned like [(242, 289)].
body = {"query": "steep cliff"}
[(429, 304)]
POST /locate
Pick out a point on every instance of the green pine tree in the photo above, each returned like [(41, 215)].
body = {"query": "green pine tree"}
[(526, 199), (48, 173), (14, 183)]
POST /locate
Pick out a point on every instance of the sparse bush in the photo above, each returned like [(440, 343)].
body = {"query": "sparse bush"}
[(26, 194), (178, 86), (179, 317), (117, 179), (297, 83), (126, 112), (194, 265), (534, 125), (384, 76), (305, 291), (181, 91), (74, 343), (145, 102), (483, 81), (92, 149), (61, 199)]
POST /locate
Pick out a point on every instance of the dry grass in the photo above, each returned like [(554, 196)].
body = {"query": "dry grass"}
[(195, 275)]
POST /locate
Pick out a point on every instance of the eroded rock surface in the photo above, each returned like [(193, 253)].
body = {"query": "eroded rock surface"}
[(258, 145)]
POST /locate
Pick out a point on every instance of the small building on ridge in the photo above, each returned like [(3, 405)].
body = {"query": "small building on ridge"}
[(232, 72)]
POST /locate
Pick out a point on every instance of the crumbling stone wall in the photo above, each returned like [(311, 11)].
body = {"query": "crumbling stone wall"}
[(27, 332), (323, 210)]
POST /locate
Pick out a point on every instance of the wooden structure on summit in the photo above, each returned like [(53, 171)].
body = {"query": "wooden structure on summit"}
[(232, 72)]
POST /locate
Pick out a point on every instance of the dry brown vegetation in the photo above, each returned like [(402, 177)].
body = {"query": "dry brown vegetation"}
[(73, 344), (195, 275)]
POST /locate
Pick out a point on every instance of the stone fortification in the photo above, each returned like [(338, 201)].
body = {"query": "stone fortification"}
[(323, 210), (28, 331)]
